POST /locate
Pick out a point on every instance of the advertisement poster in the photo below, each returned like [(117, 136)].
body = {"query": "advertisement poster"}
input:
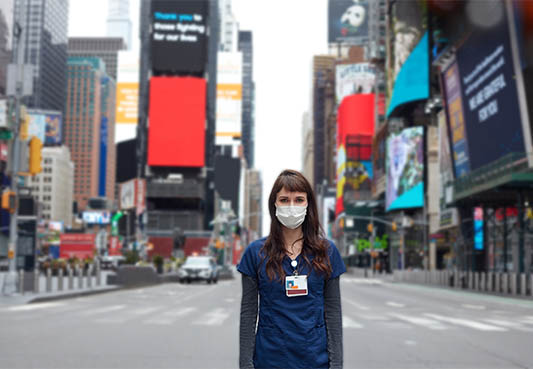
[(456, 120), (127, 195), (229, 97), (354, 78), (179, 36), (53, 134), (405, 169), (478, 229), (490, 95), (127, 93), (447, 216), (96, 217), (348, 21), (36, 127), (80, 245)]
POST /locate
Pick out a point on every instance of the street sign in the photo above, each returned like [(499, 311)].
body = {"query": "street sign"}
[(10, 254), (27, 83), (6, 135)]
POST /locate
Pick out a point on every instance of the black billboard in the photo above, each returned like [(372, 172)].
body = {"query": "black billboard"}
[(348, 22), (489, 95), (179, 36)]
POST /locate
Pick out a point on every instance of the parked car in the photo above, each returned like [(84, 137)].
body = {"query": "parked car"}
[(202, 268)]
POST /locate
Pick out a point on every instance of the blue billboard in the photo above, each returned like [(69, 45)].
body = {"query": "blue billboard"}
[(405, 169)]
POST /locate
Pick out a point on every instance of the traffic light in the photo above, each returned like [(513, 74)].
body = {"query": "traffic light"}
[(35, 155), (370, 227), (394, 226), (9, 201)]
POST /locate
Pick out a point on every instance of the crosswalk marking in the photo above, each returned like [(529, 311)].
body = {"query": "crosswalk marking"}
[(474, 307), (395, 304), (467, 323), (347, 322), (508, 324), (38, 306), (359, 306), (424, 322), (103, 310), (362, 280), (169, 317), (214, 317)]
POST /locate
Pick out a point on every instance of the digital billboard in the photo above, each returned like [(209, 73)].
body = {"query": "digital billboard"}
[(179, 36), (176, 132), (127, 94), (348, 21), (229, 97), (489, 95), (353, 79), (405, 169), (53, 131), (37, 125), (448, 217), (96, 217)]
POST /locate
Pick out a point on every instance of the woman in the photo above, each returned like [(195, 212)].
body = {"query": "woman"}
[(295, 272)]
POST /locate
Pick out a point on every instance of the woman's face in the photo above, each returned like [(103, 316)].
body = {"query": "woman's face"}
[(286, 198)]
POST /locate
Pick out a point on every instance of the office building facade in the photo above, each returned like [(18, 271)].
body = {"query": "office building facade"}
[(106, 48), (118, 21), (248, 96)]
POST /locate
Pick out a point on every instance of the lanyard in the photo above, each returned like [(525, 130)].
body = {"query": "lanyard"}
[(294, 265)]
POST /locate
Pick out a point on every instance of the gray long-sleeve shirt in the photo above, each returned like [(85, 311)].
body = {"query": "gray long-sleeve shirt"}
[(332, 317)]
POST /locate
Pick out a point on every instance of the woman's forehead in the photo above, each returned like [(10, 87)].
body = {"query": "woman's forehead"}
[(285, 192)]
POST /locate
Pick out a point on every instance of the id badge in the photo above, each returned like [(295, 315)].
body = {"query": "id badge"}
[(296, 285)]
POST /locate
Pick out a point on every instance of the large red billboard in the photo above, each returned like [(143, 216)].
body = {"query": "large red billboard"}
[(355, 117), (176, 132), (80, 245)]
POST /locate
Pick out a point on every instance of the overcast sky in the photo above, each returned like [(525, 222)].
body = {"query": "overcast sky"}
[(286, 35)]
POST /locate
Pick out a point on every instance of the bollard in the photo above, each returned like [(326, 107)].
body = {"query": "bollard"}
[(456, 279), (70, 277), (89, 276), (80, 277), (470, 280), (21, 282), (490, 282), (98, 274), (482, 285), (523, 286), (49, 280), (497, 282), (531, 284), (505, 283), (512, 279), (60, 279), (36, 280)]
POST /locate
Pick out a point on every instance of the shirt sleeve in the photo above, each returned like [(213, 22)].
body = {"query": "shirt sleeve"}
[(333, 320), (248, 264), (248, 322), (337, 264)]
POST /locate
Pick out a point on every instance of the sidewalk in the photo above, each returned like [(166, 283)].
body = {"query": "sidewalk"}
[(55, 293)]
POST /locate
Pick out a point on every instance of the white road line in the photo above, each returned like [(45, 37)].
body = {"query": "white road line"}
[(348, 322), (127, 315), (508, 324), (229, 300), (103, 310), (395, 304), (169, 317), (377, 318), (410, 343), (38, 306), (424, 322), (213, 318), (474, 307), (467, 323), (362, 280), (353, 303)]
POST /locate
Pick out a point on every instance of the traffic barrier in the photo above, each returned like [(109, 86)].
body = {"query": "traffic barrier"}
[(490, 282), (21, 282), (497, 280), (512, 280), (89, 276), (60, 279), (523, 284), (49, 280), (482, 280), (98, 274), (470, 280), (36, 275), (70, 277), (476, 281), (80, 277)]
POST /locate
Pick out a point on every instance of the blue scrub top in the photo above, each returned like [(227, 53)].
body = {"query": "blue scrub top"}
[(291, 332)]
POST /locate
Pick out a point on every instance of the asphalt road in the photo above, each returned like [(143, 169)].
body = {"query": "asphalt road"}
[(196, 326)]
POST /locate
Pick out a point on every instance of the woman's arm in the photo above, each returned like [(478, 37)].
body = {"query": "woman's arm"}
[(248, 322), (333, 317)]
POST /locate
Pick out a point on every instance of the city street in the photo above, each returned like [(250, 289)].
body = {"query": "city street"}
[(196, 326)]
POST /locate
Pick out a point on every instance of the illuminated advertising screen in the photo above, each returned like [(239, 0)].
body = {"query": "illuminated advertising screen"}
[(179, 36), (176, 132), (96, 217), (229, 97), (37, 124), (53, 132), (478, 228), (127, 94), (348, 22), (489, 95), (405, 169), (354, 79)]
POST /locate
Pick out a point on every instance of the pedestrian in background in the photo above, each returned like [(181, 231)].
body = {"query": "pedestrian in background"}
[(295, 272)]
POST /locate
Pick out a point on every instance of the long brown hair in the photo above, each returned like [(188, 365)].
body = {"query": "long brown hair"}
[(314, 241)]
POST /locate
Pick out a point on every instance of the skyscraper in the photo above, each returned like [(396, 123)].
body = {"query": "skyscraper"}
[(44, 31), (248, 96), (106, 48), (118, 20), (82, 124), (6, 25)]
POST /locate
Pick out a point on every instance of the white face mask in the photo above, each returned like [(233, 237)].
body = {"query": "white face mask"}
[(291, 216)]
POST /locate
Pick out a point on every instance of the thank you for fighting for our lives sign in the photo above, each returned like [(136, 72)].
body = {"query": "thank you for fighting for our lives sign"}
[(179, 34), (489, 95)]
